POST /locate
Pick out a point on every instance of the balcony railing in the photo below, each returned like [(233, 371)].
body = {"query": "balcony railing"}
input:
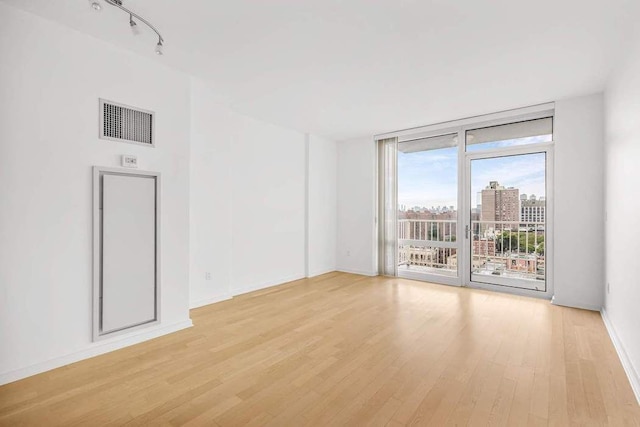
[(508, 249), (426, 245), (427, 230), (505, 249)]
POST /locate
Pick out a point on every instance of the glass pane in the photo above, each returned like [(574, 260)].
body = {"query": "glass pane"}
[(509, 135), (428, 259), (428, 205), (508, 218)]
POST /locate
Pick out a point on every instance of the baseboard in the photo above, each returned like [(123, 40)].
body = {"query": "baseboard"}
[(632, 374), (320, 272), (266, 284), (583, 306), (248, 289), (95, 349), (360, 272), (207, 301)]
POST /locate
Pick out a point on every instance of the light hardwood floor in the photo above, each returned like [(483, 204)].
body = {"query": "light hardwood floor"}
[(342, 349)]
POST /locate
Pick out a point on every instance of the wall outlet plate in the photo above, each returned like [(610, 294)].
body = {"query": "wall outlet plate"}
[(129, 161)]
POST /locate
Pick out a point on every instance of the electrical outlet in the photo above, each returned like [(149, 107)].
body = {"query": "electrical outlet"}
[(348, 253), (207, 276)]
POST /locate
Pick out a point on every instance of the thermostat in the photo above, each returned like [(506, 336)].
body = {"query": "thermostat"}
[(129, 161)]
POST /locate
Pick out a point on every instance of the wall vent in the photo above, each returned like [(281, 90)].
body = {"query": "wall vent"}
[(126, 124)]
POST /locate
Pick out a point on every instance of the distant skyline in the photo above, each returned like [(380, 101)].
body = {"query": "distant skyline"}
[(430, 178)]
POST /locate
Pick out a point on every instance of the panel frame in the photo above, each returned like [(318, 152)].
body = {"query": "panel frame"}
[(548, 149), (98, 173)]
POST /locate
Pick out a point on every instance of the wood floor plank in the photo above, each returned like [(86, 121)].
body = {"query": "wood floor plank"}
[(343, 349)]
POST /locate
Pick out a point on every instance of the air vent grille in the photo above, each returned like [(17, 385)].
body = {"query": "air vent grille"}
[(127, 124)]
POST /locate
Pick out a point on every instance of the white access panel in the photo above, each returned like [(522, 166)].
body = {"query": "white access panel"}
[(128, 251)]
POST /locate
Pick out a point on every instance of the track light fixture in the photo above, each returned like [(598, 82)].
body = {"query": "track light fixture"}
[(133, 24)]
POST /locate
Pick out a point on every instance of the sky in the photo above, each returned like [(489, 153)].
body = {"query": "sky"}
[(430, 178)]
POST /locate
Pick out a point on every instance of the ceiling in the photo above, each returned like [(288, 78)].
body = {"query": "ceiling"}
[(352, 68)]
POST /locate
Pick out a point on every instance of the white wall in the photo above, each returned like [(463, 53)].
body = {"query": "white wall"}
[(248, 202), (578, 272), (622, 172), (50, 80), (268, 199), (356, 248), (578, 202), (323, 205), (212, 137)]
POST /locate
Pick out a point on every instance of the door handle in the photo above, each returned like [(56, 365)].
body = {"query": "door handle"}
[(466, 231)]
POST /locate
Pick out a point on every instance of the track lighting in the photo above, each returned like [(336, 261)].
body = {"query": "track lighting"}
[(132, 24)]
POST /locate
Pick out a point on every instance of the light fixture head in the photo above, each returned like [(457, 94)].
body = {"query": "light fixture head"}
[(96, 6), (159, 48), (134, 26)]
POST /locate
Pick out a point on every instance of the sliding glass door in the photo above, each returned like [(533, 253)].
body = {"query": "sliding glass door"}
[(469, 204)]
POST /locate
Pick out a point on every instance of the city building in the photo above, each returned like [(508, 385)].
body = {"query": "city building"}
[(532, 209), (499, 204), (484, 247)]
